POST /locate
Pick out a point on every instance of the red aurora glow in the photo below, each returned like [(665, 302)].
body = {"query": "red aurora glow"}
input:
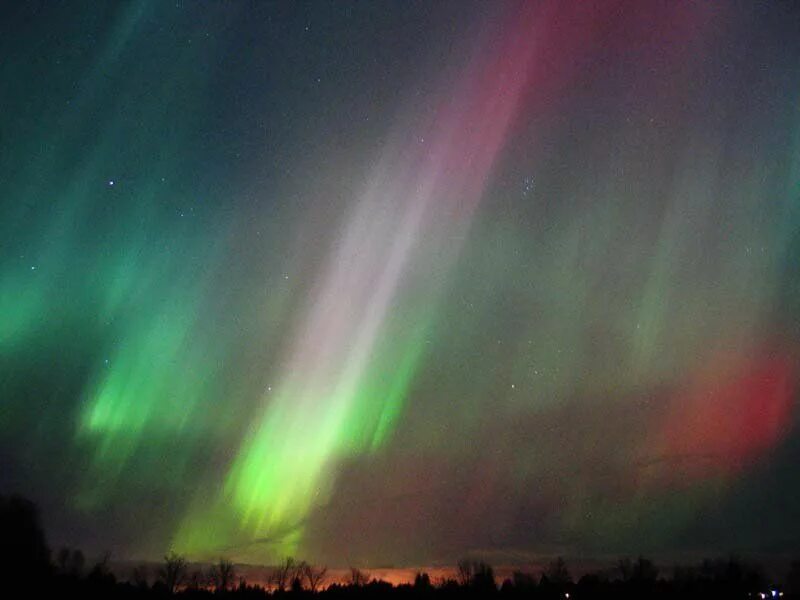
[(732, 414)]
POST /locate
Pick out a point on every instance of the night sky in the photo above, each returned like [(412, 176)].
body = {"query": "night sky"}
[(400, 282)]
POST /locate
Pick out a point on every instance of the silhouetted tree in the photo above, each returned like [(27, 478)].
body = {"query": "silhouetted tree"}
[(557, 573), (793, 579), (62, 560), (283, 574), (101, 574), (196, 580), (173, 572), (483, 578), (422, 581), (24, 554), (642, 571), (221, 575), (476, 574), (140, 576), (591, 585), (378, 588), (448, 585), (523, 581), (732, 575), (297, 576), (70, 562), (357, 577), (314, 576), (464, 572)]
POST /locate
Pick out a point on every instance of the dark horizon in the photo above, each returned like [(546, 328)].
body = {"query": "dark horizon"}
[(28, 564)]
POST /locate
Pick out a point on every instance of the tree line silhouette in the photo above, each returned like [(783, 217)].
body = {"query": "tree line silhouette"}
[(29, 568)]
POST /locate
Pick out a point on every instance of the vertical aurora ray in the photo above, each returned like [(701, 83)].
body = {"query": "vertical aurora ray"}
[(102, 252), (350, 365)]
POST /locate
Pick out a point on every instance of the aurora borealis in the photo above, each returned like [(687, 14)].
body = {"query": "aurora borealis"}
[(395, 283)]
